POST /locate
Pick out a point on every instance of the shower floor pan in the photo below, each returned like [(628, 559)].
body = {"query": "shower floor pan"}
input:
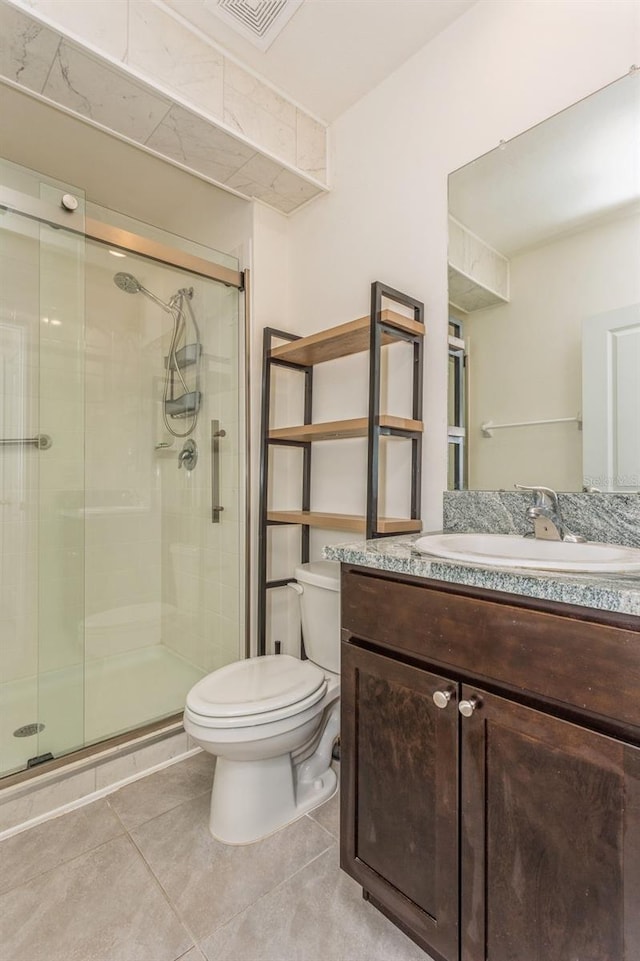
[(120, 693)]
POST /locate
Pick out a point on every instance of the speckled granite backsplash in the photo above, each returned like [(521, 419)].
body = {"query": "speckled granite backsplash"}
[(608, 518)]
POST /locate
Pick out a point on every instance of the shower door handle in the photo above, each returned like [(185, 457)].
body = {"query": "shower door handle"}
[(216, 434)]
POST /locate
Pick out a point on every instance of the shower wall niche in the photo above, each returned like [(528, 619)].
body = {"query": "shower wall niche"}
[(118, 591)]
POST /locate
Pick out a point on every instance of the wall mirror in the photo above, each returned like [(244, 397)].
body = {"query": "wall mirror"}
[(544, 291)]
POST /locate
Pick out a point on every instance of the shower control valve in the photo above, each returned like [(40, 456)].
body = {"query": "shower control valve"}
[(188, 456)]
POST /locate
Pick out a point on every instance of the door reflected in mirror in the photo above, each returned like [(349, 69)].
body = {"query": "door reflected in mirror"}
[(544, 290)]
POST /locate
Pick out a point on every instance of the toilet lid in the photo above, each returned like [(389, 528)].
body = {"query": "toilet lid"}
[(256, 685)]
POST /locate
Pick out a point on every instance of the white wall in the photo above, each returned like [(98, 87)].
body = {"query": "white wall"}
[(269, 308), (496, 71)]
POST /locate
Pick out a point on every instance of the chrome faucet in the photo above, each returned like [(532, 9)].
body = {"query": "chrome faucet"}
[(545, 514)]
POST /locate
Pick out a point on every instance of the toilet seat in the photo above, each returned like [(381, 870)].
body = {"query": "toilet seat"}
[(258, 690)]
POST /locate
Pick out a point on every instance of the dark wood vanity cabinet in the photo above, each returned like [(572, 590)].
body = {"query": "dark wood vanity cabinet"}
[(400, 797), (511, 833)]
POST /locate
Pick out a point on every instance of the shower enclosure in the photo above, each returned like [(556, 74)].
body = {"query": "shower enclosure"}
[(121, 444)]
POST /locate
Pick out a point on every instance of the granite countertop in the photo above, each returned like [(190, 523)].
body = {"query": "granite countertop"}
[(615, 592)]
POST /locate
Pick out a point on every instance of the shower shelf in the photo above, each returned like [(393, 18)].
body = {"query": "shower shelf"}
[(184, 406), (185, 357)]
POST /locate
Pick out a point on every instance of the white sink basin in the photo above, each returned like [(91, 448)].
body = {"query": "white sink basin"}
[(512, 550)]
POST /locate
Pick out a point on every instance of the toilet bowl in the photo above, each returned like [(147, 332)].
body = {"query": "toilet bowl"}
[(272, 721)]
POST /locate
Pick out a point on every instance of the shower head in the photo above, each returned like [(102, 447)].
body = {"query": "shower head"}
[(131, 285), (128, 283)]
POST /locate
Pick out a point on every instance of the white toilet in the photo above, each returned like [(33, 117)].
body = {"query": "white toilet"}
[(272, 721)]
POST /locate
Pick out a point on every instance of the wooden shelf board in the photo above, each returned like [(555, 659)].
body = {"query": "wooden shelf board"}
[(341, 429), (349, 338), (355, 523)]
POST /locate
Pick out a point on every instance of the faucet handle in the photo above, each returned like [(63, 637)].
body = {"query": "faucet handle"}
[(543, 496)]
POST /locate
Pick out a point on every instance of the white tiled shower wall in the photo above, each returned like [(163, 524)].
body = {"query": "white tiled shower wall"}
[(152, 551), (201, 582)]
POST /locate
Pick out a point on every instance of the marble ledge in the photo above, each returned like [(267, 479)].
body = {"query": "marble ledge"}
[(168, 92), (618, 592)]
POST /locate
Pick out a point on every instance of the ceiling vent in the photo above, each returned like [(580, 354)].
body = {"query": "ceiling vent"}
[(259, 21)]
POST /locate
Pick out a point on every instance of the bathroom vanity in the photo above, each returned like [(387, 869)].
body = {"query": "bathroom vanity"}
[(491, 761)]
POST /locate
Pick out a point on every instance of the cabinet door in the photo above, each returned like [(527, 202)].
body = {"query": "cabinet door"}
[(399, 794), (550, 845)]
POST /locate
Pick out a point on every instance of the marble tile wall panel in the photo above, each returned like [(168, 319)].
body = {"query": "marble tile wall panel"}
[(192, 141), (476, 259), (162, 47), (266, 180), (83, 84), (604, 517), (259, 113), (27, 48), (260, 95), (467, 294), (311, 146), (168, 59)]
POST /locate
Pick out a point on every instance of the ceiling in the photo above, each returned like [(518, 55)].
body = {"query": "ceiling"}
[(574, 169), (331, 52)]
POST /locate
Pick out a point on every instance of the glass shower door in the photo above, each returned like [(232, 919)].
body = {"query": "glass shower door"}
[(41, 482), (163, 582), (120, 585)]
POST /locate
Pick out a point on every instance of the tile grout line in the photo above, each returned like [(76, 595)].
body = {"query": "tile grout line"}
[(157, 883), (334, 837), (62, 864), (332, 843), (124, 832), (267, 893), (155, 816)]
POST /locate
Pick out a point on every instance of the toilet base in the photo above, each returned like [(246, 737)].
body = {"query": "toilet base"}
[(253, 799)]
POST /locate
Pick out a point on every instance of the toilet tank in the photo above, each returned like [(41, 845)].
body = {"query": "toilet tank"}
[(320, 612)]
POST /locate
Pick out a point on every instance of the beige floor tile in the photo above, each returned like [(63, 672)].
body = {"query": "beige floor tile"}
[(102, 906), (317, 915), (48, 845), (328, 815), (209, 882), (154, 795)]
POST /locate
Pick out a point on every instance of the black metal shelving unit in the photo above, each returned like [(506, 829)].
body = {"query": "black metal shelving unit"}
[(382, 327)]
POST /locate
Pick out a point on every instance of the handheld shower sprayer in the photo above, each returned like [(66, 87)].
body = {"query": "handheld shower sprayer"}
[(131, 285), (188, 405)]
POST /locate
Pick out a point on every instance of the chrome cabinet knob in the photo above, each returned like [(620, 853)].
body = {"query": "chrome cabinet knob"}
[(441, 698), (467, 707)]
